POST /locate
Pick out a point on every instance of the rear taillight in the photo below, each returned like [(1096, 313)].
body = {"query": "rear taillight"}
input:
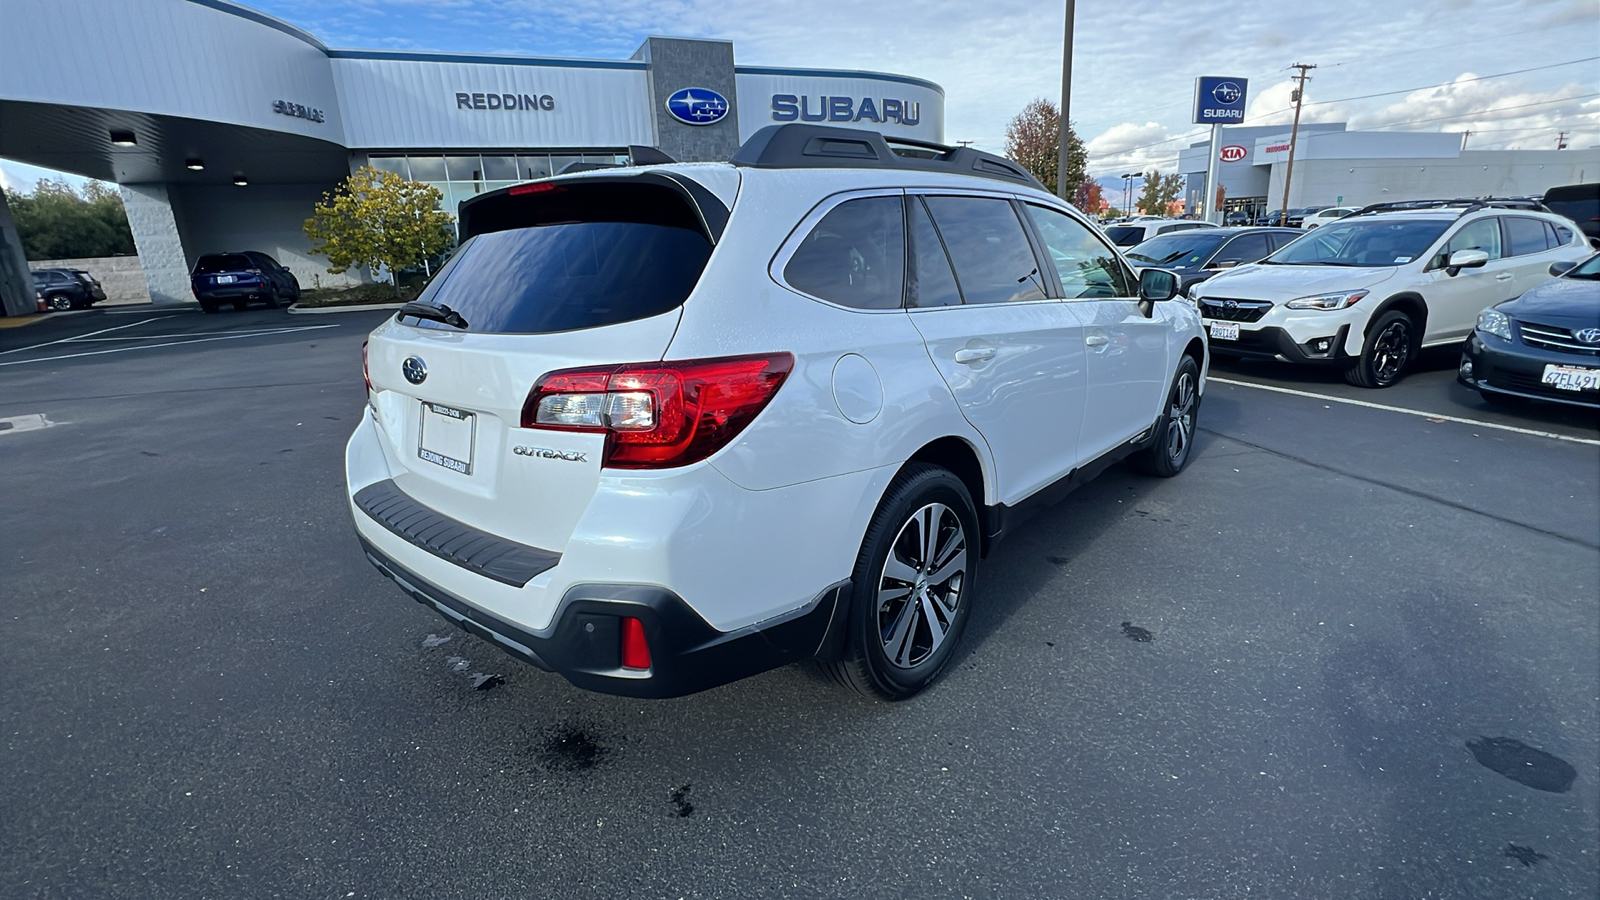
[(366, 373), (658, 415), (635, 649)]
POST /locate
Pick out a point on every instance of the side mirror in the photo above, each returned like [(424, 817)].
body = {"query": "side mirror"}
[(1562, 267), (1466, 259), (1224, 264), (1155, 285)]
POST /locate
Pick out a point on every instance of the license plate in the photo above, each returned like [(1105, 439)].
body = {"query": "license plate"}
[(1571, 378), (1224, 331), (445, 437), (225, 279)]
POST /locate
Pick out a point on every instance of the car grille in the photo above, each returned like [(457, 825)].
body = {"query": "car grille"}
[(1230, 310), (1552, 337)]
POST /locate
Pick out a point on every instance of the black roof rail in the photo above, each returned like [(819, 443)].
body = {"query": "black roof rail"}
[(801, 146), (1468, 204)]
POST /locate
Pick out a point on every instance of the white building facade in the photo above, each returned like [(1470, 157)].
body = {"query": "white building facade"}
[(224, 126)]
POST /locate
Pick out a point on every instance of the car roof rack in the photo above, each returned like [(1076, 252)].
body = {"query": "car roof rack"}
[(1468, 204), (801, 146)]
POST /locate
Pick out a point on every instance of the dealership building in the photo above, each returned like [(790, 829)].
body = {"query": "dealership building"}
[(224, 126), (1337, 167)]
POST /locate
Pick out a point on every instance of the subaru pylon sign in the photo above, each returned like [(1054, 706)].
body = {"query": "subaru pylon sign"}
[(1219, 100), (697, 106)]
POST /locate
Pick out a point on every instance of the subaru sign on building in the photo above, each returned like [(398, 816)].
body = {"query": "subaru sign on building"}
[(241, 122), (1219, 100)]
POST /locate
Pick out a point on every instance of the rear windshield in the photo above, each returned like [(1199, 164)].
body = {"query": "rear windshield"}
[(585, 256), (222, 262), (1125, 235)]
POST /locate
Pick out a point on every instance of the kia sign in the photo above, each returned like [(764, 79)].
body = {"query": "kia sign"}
[(1219, 100), (1233, 153)]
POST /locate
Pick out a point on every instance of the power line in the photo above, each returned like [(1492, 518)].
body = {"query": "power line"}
[(1458, 81)]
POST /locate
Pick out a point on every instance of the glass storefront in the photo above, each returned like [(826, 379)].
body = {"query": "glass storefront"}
[(460, 176)]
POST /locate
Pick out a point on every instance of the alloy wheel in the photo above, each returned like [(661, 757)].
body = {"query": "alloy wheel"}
[(1180, 417), (1391, 350), (919, 590)]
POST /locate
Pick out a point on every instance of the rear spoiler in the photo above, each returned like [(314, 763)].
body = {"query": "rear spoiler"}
[(509, 208)]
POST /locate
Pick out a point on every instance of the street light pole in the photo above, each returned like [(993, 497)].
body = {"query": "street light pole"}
[(1066, 107)]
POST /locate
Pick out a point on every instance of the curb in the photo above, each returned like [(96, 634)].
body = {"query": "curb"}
[(297, 310)]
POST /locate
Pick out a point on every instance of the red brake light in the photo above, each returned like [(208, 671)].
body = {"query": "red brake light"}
[(658, 415), (538, 187), (635, 650)]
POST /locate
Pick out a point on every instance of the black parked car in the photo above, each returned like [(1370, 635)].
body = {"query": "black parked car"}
[(1544, 345), (240, 278), (1197, 255), (60, 289), (1581, 204)]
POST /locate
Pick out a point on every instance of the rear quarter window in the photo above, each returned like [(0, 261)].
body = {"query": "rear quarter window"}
[(855, 256)]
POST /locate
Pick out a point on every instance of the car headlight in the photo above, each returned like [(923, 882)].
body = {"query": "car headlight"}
[(1495, 322), (1341, 300)]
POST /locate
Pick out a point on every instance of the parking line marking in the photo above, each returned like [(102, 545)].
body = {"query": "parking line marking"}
[(1400, 409), (230, 337), (79, 337), (153, 337)]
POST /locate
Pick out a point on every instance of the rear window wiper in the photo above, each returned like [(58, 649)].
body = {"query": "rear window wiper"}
[(440, 313)]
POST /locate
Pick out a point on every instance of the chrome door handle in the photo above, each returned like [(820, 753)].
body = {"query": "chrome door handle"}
[(970, 355), (1097, 340)]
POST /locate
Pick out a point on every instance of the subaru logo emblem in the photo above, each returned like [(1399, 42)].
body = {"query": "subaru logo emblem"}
[(1230, 304), (1227, 93), (697, 106), (415, 370), (1588, 335)]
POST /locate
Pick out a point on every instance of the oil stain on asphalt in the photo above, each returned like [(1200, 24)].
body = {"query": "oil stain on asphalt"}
[(1525, 855), (1524, 764), (1134, 633), (572, 748), (680, 801)]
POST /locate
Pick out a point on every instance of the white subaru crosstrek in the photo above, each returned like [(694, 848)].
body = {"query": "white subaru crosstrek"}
[(659, 428), (1369, 291)]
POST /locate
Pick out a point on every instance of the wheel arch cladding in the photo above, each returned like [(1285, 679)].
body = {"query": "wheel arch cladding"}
[(961, 459), (1196, 350), (1408, 303)]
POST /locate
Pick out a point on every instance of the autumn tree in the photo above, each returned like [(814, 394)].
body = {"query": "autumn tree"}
[(1034, 139), (1159, 192), (378, 219)]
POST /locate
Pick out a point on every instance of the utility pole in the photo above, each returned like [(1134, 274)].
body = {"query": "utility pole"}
[(1561, 141), (1464, 136), (1066, 106), (1288, 173)]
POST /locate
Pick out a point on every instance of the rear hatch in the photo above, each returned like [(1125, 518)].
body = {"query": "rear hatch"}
[(224, 271), (561, 274)]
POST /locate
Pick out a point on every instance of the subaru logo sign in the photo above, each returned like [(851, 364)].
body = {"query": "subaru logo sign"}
[(1227, 93), (415, 370), (697, 106), (1588, 335), (1219, 100)]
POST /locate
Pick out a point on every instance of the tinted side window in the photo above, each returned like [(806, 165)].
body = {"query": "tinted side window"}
[(855, 256), (1526, 235), (1483, 234), (932, 283), (1246, 248), (1087, 267), (993, 260), (1563, 235)]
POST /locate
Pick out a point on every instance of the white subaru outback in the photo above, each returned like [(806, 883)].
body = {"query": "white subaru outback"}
[(1371, 290), (659, 428)]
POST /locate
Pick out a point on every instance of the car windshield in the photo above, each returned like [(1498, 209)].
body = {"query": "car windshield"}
[(1588, 270), (1372, 242), (1180, 248)]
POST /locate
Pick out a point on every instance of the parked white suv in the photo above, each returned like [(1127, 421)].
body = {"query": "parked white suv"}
[(660, 428), (1369, 291), (1136, 231)]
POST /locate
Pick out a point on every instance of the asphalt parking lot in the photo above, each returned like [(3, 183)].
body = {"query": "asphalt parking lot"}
[(1273, 676)]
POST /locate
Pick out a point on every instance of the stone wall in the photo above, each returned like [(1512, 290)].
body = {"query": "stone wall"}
[(121, 276)]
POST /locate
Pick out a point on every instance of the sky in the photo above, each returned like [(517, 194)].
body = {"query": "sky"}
[(1439, 65)]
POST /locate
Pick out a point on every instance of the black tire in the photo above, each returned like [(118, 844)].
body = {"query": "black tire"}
[(58, 303), (1391, 344), (896, 647), (272, 298), (1175, 430), (208, 306)]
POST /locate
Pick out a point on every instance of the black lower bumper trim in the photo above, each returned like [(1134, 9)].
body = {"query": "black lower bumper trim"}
[(491, 556), (583, 642), (1273, 342)]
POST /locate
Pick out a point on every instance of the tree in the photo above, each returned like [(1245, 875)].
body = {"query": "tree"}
[(57, 221), (1034, 138), (1159, 191), (379, 220)]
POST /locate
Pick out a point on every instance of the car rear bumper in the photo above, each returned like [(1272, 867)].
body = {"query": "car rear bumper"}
[(584, 642), (231, 291), (1514, 370)]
